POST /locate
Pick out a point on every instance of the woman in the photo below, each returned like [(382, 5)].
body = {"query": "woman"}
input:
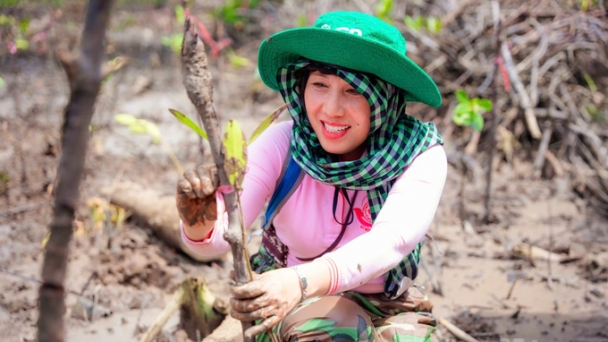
[(340, 251)]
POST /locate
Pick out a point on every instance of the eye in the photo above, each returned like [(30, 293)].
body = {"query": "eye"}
[(319, 85), (352, 91)]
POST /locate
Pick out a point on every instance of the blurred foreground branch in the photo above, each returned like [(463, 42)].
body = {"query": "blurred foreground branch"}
[(85, 78)]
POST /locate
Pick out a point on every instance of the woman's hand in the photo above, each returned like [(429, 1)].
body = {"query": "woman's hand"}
[(271, 296), (195, 198)]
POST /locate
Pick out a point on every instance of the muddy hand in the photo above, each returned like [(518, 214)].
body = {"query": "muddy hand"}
[(195, 197), (270, 297)]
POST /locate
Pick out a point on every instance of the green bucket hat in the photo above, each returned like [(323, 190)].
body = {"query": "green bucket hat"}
[(352, 40)]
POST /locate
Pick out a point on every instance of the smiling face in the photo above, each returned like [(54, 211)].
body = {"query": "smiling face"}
[(339, 115)]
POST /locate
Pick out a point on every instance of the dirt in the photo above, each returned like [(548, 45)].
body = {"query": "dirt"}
[(471, 273)]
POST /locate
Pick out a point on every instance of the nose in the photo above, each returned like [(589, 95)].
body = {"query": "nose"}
[(333, 106)]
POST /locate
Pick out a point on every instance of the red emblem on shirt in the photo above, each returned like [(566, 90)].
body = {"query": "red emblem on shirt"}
[(364, 216)]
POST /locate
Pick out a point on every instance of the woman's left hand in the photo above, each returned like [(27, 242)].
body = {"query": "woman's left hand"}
[(270, 296)]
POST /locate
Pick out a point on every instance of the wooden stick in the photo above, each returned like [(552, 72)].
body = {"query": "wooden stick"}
[(542, 150), (521, 90), (171, 308), (197, 80), (493, 117), (85, 83), (456, 331)]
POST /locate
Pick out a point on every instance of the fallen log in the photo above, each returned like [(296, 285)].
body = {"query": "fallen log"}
[(155, 211)]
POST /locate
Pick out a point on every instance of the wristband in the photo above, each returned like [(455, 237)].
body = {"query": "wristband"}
[(303, 281)]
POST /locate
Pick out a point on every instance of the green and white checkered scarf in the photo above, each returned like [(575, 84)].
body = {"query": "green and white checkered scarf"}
[(395, 139)]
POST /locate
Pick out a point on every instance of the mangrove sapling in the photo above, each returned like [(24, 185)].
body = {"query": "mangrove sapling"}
[(229, 157), (468, 113)]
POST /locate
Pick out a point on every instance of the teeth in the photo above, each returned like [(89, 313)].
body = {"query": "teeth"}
[(334, 129)]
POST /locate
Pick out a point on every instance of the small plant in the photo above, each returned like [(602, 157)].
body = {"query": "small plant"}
[(142, 126), (468, 112), (383, 10), (419, 23), (174, 42), (18, 28), (231, 13), (237, 61)]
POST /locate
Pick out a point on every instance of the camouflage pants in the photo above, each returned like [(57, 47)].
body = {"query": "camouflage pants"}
[(352, 316)]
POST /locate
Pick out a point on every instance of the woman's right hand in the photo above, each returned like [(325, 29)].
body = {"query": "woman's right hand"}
[(195, 200)]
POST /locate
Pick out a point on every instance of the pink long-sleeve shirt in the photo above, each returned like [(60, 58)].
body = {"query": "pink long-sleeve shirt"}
[(306, 223)]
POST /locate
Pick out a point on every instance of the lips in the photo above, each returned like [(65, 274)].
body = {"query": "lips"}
[(333, 130)]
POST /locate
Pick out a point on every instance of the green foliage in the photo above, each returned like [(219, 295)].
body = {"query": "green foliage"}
[(180, 15), (231, 12), (383, 10), (268, 120), (139, 126), (301, 20), (11, 3), (142, 126), (2, 83), (4, 179), (236, 60), (419, 23), (590, 82), (174, 42), (235, 153), (6, 19), (23, 24), (189, 123), (468, 112), (596, 114)]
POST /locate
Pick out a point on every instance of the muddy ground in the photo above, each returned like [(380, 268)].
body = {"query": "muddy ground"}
[(474, 276)]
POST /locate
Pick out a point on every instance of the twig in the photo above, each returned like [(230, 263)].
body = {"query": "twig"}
[(555, 164), (21, 209), (521, 90), (511, 288), (174, 304), (33, 280), (448, 18), (456, 331), (542, 149), (84, 87), (197, 80), (542, 49), (493, 117)]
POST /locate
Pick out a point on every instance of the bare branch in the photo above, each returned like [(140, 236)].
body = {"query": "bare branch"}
[(85, 82)]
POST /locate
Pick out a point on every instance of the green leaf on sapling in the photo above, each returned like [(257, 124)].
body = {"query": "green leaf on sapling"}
[(463, 119), (180, 15), (462, 96), (461, 108), (125, 119), (235, 153), (485, 104), (477, 122), (272, 117), (188, 122)]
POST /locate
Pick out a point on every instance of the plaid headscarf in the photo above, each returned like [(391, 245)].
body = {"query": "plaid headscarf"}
[(394, 140)]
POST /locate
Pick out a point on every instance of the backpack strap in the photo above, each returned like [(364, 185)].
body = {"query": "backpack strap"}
[(290, 178)]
